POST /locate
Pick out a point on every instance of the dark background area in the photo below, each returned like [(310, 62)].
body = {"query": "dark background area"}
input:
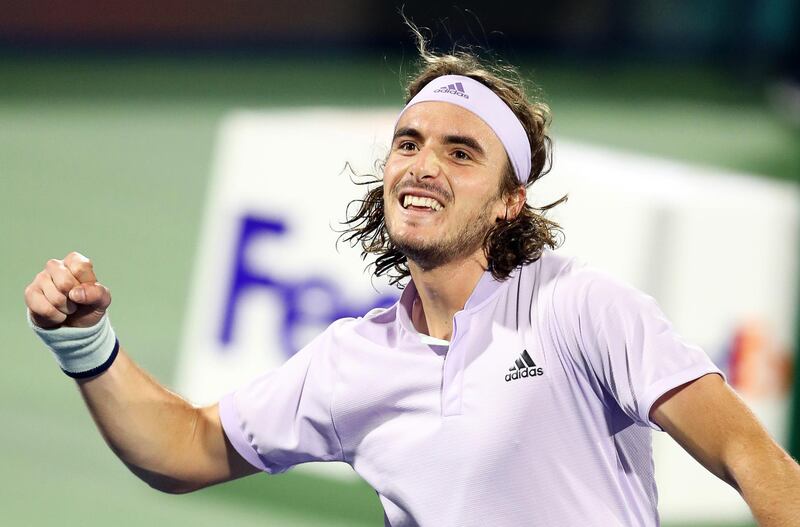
[(745, 36)]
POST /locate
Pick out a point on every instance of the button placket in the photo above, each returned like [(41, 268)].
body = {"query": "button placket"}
[(453, 368)]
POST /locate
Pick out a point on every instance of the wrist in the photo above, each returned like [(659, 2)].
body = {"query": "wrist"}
[(81, 352)]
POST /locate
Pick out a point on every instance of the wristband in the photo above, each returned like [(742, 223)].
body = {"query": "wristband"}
[(81, 352)]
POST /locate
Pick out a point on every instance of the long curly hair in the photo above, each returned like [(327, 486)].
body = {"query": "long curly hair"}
[(509, 243)]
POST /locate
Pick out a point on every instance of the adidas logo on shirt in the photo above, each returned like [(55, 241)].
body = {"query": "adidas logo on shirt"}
[(453, 89), (523, 367)]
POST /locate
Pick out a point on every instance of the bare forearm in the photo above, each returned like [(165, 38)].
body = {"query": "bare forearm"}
[(148, 427), (769, 480), (163, 439)]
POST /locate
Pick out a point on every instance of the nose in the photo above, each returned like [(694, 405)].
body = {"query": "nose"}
[(426, 164)]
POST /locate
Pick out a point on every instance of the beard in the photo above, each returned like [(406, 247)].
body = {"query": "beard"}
[(429, 254)]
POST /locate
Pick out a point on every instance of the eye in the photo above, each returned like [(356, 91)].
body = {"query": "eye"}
[(407, 146), (461, 155)]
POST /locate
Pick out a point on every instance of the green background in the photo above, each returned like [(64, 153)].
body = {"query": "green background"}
[(111, 157)]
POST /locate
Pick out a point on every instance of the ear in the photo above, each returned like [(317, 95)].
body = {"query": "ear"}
[(514, 202)]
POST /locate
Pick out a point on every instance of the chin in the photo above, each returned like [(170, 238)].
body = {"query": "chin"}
[(413, 241), (423, 251)]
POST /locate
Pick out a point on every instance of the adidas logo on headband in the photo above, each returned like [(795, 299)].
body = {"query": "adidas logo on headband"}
[(487, 105), (453, 89)]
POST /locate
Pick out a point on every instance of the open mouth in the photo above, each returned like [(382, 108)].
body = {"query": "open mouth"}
[(420, 203)]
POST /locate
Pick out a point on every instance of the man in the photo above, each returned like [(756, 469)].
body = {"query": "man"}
[(508, 386)]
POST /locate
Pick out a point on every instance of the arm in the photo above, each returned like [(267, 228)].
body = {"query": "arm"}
[(171, 445), (164, 440), (710, 421)]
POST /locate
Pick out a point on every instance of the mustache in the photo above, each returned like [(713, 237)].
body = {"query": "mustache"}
[(443, 193)]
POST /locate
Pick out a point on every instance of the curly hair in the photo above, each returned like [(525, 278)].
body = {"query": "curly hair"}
[(509, 243)]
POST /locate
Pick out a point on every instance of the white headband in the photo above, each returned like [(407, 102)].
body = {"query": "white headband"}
[(483, 102)]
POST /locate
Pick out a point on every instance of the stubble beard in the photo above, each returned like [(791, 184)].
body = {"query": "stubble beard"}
[(436, 253)]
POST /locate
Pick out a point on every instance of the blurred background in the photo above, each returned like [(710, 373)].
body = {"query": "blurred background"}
[(120, 122)]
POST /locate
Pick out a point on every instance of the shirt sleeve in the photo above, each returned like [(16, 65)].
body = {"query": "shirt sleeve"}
[(283, 417), (624, 340)]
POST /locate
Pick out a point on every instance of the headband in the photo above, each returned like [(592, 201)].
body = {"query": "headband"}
[(483, 102)]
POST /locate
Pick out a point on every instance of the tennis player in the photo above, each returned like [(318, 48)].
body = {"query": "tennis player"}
[(508, 385)]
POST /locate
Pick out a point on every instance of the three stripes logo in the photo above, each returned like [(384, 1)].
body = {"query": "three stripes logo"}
[(523, 367), (453, 89)]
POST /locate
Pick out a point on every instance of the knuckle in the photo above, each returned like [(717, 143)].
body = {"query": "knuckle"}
[(75, 257), (62, 283), (80, 266)]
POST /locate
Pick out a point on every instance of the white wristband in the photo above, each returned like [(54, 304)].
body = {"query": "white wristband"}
[(81, 352)]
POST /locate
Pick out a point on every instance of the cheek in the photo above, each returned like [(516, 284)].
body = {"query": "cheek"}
[(487, 209), (388, 200), (395, 161), (392, 171)]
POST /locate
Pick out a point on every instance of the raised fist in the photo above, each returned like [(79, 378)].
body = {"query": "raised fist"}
[(66, 293)]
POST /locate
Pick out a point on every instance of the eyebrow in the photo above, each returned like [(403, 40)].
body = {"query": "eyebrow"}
[(407, 131), (465, 140)]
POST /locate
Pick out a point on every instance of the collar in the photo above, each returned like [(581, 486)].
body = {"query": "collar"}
[(486, 289)]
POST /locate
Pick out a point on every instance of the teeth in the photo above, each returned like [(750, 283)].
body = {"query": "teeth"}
[(419, 201)]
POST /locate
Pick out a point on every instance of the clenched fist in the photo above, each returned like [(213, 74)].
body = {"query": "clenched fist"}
[(66, 293)]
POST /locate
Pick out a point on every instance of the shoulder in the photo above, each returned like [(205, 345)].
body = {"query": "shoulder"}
[(377, 326), (576, 290), (568, 279), (374, 317)]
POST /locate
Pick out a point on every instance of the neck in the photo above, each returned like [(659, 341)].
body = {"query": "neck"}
[(442, 292)]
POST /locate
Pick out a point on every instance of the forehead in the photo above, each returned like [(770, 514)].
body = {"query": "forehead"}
[(435, 118)]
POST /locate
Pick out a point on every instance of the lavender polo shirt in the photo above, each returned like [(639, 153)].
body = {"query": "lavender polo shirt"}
[(538, 414)]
